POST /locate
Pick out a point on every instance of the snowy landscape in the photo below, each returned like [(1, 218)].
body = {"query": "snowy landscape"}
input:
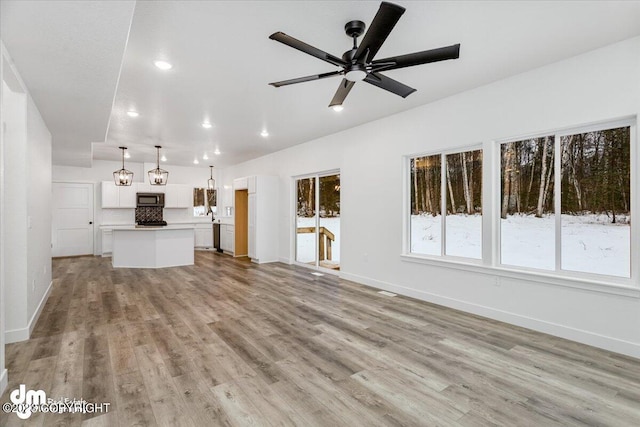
[(306, 247), (590, 243)]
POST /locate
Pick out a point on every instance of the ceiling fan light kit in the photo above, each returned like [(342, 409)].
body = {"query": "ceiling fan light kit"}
[(358, 64)]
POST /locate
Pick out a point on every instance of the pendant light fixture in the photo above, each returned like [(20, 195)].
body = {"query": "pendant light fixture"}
[(158, 176), (123, 177), (211, 183)]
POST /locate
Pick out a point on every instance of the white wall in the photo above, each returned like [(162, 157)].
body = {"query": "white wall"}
[(102, 170), (596, 86), (38, 208), (26, 208)]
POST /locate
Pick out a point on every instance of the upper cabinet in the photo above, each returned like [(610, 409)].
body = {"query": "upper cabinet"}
[(178, 196), (114, 196)]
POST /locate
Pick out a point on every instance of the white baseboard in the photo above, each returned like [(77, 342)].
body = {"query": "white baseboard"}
[(585, 337), (23, 334), (284, 260), (4, 380)]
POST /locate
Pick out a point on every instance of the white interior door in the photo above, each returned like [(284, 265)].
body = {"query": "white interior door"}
[(72, 225)]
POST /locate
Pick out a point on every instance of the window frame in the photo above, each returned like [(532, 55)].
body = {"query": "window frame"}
[(491, 233), (443, 204)]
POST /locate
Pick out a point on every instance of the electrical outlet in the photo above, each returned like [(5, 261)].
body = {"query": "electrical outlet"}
[(33, 285), (365, 257), (44, 269)]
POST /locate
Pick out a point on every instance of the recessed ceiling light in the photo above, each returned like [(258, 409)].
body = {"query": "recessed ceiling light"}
[(132, 113), (206, 125), (205, 157), (264, 133), (163, 65), (338, 108), (126, 155), (195, 161), (163, 158), (217, 152)]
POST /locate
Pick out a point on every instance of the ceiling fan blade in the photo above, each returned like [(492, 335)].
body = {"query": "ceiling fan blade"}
[(389, 84), (306, 79), (417, 58), (308, 49), (382, 24), (342, 92)]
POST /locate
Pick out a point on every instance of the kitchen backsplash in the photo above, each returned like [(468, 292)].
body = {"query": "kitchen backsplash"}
[(149, 213)]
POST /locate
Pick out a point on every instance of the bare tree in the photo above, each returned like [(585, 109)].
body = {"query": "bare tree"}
[(508, 166), (543, 176), (468, 195)]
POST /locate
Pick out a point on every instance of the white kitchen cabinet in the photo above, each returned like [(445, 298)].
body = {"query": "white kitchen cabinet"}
[(178, 196), (227, 237), (252, 184), (204, 236), (263, 219), (110, 195), (127, 196), (114, 196), (251, 230), (240, 183), (107, 242)]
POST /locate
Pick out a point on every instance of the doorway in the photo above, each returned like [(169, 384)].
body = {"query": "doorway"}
[(318, 221), (241, 221), (72, 219)]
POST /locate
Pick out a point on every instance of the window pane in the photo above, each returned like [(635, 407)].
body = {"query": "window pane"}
[(425, 205), (596, 214), (329, 234), (306, 221), (463, 224), (527, 224)]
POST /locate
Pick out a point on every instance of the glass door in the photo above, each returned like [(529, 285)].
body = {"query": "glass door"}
[(306, 221), (318, 221), (329, 222)]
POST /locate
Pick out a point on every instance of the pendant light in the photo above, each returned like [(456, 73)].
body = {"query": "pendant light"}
[(158, 176), (123, 177), (211, 183)]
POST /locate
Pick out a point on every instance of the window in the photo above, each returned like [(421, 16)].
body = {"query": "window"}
[(583, 226), (595, 202), (204, 201), (527, 222), (451, 183)]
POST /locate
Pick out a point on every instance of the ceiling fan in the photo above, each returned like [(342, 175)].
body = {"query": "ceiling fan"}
[(358, 64)]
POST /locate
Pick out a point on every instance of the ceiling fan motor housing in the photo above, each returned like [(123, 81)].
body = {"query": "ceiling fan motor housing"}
[(354, 28)]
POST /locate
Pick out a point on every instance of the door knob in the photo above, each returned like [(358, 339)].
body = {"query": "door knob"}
[(90, 222)]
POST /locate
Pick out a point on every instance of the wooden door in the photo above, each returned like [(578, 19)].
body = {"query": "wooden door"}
[(241, 223)]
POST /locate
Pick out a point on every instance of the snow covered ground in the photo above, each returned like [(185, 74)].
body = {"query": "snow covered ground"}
[(590, 243), (306, 247)]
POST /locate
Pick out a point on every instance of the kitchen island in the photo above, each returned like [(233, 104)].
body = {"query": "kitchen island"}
[(153, 247)]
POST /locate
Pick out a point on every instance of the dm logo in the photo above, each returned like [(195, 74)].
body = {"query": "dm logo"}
[(26, 400)]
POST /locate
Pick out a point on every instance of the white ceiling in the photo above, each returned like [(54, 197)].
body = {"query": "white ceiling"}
[(70, 56)]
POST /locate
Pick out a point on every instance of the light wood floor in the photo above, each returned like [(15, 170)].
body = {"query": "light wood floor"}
[(227, 342)]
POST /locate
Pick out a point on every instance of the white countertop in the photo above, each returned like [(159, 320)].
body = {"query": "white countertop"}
[(228, 220), (154, 228)]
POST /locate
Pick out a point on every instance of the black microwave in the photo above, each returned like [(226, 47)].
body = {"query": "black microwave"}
[(149, 199)]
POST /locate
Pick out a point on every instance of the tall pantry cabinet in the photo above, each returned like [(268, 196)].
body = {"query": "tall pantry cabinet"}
[(262, 216)]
